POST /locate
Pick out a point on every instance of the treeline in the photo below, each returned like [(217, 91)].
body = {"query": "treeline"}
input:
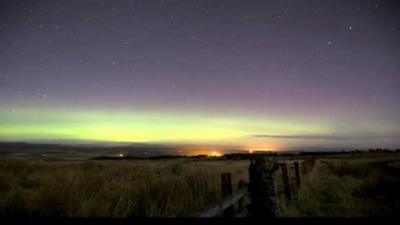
[(383, 150)]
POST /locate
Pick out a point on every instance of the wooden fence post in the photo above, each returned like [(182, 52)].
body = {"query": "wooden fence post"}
[(297, 172), (241, 185), (226, 185), (264, 200), (285, 179)]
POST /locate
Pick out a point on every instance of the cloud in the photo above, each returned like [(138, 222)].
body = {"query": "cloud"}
[(330, 137)]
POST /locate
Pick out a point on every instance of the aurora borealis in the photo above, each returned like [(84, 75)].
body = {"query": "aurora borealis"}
[(139, 127), (274, 75)]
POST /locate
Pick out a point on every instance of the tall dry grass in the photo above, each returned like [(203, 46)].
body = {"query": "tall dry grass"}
[(347, 188), (342, 186), (162, 188)]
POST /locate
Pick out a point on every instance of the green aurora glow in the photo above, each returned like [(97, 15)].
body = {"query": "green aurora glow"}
[(96, 125), (34, 123)]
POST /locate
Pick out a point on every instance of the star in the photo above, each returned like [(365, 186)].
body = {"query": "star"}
[(373, 97)]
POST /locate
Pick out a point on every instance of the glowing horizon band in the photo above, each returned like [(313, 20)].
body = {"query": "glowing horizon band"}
[(96, 125)]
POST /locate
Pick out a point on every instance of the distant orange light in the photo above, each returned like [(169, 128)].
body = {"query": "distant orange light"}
[(215, 154), (121, 155), (254, 147)]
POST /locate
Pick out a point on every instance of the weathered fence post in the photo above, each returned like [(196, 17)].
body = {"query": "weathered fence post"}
[(264, 201), (297, 172), (226, 185), (285, 179), (241, 185)]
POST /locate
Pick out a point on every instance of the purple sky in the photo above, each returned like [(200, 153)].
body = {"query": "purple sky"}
[(335, 62)]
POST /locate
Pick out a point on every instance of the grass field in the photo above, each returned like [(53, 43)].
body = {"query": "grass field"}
[(335, 186), (348, 187), (112, 188)]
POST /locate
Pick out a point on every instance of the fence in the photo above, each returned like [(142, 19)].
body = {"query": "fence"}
[(259, 197)]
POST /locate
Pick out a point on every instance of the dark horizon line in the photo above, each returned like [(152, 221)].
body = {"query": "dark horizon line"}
[(178, 146)]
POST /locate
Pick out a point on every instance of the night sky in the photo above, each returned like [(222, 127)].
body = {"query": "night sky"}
[(274, 75)]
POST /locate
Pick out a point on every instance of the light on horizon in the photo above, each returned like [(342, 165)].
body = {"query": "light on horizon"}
[(215, 154)]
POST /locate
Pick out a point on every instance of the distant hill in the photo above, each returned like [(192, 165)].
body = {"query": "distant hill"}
[(132, 149)]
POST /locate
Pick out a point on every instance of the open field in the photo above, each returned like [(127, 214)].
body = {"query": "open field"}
[(350, 185), (111, 188)]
